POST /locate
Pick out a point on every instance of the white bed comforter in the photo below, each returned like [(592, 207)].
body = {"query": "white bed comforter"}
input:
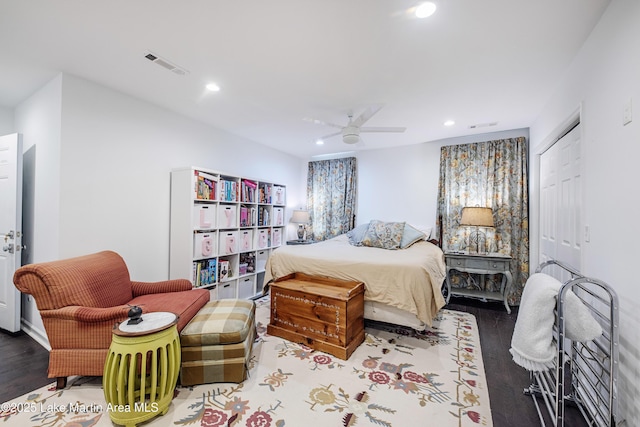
[(408, 279)]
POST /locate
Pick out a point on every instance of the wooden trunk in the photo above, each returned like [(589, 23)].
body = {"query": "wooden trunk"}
[(322, 313)]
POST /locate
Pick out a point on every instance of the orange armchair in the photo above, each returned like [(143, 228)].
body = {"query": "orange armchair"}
[(81, 299)]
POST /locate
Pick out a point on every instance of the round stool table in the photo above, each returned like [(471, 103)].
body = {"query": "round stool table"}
[(141, 369)]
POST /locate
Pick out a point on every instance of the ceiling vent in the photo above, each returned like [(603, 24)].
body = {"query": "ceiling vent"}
[(166, 64), (482, 125)]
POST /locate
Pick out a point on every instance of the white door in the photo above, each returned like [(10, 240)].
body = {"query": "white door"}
[(548, 204), (10, 229), (560, 201)]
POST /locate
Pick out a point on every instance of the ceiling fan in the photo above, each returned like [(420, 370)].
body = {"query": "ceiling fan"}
[(351, 132)]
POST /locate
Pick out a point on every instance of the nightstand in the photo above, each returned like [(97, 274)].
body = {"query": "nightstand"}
[(482, 264), (300, 242)]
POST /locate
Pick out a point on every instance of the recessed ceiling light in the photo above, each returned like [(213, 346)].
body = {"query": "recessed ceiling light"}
[(449, 123), (425, 10), (213, 87), (319, 142)]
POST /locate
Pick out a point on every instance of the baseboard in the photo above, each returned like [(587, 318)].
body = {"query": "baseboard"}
[(38, 335)]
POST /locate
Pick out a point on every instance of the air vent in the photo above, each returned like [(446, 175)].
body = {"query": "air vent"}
[(166, 64), (482, 125)]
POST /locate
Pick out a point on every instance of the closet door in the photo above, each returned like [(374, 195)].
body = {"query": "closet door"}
[(561, 200)]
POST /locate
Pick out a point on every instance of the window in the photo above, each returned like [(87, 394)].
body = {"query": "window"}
[(331, 197), (488, 174)]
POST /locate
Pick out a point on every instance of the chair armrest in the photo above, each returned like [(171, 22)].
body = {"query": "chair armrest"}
[(88, 314), (145, 288)]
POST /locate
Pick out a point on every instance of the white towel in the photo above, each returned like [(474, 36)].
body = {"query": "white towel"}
[(532, 345)]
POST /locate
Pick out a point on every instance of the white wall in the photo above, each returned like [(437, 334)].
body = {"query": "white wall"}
[(38, 120), (117, 154), (102, 171), (6, 121), (401, 183), (603, 77)]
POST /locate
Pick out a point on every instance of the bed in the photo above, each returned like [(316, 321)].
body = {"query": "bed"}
[(402, 286)]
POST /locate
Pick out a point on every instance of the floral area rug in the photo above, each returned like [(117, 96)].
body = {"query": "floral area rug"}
[(397, 378)]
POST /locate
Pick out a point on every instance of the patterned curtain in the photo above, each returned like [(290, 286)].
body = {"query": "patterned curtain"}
[(331, 197), (488, 174)]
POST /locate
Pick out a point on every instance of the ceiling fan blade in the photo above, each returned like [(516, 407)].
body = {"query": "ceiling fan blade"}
[(323, 123), (367, 114), (330, 135), (382, 129)]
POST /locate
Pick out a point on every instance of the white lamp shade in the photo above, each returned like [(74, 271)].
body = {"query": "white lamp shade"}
[(476, 216), (300, 217)]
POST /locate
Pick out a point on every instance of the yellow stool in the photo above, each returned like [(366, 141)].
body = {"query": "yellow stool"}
[(141, 369)]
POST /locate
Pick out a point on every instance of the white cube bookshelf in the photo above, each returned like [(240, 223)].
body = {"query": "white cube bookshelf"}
[(220, 219)]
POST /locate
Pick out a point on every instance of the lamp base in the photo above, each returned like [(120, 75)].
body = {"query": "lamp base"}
[(477, 242), (301, 232)]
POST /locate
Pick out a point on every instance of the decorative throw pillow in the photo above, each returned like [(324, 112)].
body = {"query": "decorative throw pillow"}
[(425, 230), (385, 235), (410, 236), (357, 234)]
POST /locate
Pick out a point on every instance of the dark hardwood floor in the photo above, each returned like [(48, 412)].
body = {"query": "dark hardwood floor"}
[(24, 366), (510, 407)]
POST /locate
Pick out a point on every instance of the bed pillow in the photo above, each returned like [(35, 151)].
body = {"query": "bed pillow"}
[(426, 230), (357, 234), (385, 235), (410, 236)]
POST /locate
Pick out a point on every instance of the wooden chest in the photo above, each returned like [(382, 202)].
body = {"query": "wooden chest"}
[(322, 313)]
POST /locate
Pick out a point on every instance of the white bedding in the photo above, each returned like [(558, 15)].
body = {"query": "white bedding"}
[(406, 279)]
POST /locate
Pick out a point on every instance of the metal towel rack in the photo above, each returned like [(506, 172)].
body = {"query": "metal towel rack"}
[(585, 373)]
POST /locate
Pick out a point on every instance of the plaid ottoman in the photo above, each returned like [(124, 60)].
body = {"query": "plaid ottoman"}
[(217, 342)]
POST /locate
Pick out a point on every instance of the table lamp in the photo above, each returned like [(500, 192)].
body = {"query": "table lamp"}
[(300, 217), (477, 217)]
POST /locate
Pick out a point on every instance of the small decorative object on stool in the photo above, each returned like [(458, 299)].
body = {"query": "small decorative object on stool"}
[(135, 315)]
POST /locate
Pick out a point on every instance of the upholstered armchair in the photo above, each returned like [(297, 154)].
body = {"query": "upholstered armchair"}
[(81, 299)]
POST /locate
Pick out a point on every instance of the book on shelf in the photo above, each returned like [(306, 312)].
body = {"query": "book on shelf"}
[(248, 190), (205, 186), (207, 175), (244, 217), (204, 272), (265, 193), (254, 217), (223, 190), (228, 190), (225, 273), (263, 216), (248, 259)]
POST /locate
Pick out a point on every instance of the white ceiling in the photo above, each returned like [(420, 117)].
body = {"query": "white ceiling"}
[(281, 61)]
